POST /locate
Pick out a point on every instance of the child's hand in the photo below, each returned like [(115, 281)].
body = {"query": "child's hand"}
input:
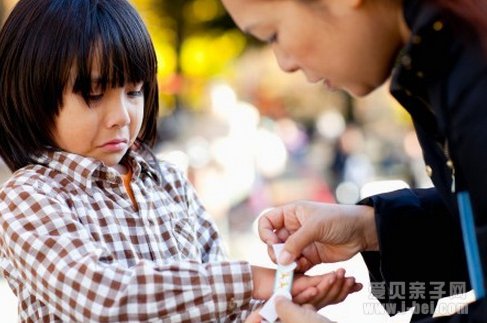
[(322, 290), (319, 291)]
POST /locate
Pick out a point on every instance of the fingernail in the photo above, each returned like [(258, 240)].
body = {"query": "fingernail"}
[(285, 258)]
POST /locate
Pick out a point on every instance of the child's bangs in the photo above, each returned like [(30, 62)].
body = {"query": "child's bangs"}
[(117, 51)]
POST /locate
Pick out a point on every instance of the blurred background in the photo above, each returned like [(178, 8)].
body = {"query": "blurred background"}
[(250, 136)]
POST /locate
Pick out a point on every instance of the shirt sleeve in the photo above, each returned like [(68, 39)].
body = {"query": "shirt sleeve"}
[(79, 280), (209, 239)]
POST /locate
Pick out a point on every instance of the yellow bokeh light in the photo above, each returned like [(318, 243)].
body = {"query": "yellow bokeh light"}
[(166, 57), (206, 55), (203, 10)]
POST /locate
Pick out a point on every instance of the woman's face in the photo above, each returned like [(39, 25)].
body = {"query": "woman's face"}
[(346, 44)]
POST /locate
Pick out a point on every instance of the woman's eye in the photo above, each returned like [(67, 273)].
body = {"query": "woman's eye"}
[(272, 38)]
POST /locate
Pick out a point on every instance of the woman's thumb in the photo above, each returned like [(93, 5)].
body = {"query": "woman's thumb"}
[(288, 312)]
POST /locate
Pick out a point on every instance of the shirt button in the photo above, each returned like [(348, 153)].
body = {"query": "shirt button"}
[(406, 61), (232, 305), (438, 25), (416, 39), (429, 170)]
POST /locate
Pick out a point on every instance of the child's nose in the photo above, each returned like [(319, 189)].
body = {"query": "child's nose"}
[(118, 115)]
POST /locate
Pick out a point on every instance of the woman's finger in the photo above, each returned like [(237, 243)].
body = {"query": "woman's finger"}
[(269, 221), (254, 317)]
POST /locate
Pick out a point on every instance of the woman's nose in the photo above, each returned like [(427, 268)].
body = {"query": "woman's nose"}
[(285, 61)]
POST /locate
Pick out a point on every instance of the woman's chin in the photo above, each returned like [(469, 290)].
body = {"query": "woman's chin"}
[(360, 90)]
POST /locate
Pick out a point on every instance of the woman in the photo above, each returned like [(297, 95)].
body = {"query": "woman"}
[(433, 52)]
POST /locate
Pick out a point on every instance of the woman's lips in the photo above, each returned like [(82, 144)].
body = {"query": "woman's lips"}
[(329, 85)]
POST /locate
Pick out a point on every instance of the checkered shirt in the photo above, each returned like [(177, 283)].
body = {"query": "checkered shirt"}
[(74, 249)]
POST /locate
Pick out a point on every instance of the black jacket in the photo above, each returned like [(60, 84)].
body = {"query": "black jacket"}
[(441, 79)]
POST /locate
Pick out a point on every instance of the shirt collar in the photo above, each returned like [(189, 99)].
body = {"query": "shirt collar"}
[(86, 170), (143, 162)]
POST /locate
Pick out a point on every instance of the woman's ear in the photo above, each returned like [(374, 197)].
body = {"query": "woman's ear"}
[(342, 6), (355, 3)]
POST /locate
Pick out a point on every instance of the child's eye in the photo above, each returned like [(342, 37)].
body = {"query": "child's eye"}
[(95, 97), (135, 94), (136, 90)]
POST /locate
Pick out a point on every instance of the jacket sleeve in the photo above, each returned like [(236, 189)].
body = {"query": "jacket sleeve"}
[(421, 257)]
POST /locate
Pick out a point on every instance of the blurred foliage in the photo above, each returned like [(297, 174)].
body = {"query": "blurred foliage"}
[(2, 12), (195, 40)]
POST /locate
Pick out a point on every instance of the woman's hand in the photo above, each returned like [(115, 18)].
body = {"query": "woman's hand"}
[(317, 232), (288, 312)]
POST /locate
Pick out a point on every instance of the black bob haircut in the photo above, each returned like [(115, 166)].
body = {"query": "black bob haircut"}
[(43, 42)]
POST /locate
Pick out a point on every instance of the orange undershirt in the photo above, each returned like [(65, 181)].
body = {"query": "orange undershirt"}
[(126, 183)]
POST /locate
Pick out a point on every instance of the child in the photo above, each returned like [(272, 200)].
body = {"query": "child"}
[(92, 227)]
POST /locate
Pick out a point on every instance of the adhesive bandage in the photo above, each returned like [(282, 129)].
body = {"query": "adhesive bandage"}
[(282, 286)]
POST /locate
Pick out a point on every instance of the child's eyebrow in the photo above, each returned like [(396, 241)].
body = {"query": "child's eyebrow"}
[(96, 80)]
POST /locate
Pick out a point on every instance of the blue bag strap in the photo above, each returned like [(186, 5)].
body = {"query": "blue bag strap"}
[(470, 242)]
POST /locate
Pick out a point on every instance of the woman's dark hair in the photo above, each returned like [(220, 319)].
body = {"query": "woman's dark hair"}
[(42, 42)]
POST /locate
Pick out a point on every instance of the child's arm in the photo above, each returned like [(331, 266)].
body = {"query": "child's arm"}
[(209, 239), (74, 275)]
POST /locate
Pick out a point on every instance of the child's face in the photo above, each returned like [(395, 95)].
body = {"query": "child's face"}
[(346, 44), (104, 128)]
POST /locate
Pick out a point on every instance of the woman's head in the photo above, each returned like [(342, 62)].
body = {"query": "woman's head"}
[(347, 44), (51, 48)]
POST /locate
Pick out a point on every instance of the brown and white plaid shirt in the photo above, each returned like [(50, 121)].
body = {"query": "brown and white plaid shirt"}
[(73, 247)]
